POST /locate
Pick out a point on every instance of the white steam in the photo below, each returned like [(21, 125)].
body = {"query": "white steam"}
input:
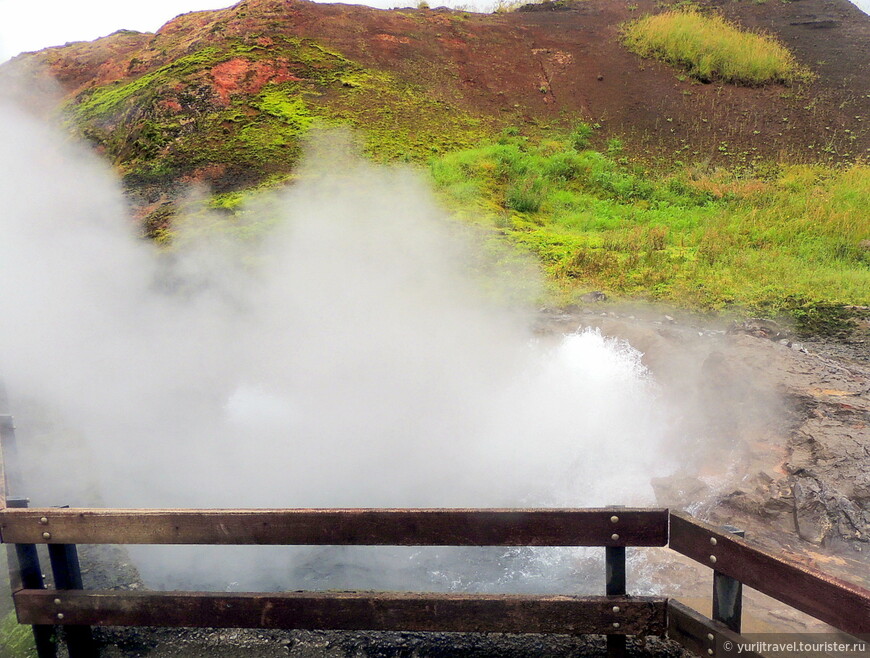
[(346, 359)]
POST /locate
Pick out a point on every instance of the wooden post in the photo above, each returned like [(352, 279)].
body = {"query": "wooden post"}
[(615, 586), (11, 470), (4, 488), (728, 594), (68, 576), (25, 572)]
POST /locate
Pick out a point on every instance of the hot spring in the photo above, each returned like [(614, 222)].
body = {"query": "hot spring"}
[(341, 343)]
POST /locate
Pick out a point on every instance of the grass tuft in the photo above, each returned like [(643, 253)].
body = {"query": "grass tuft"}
[(713, 48), (792, 242), (16, 640)]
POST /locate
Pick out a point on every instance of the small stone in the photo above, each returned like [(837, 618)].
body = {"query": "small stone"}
[(594, 296), (811, 515), (678, 489)]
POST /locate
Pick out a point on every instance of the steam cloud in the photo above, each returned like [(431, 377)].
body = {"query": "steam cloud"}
[(346, 359)]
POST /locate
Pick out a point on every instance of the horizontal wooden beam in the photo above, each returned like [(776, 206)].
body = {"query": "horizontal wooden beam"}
[(392, 527), (837, 602), (702, 636), (382, 611)]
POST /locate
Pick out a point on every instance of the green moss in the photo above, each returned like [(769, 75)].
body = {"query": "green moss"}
[(16, 640), (98, 102), (153, 142), (282, 104)]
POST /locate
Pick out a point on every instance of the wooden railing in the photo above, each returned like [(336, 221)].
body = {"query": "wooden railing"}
[(736, 562), (829, 599), (615, 614)]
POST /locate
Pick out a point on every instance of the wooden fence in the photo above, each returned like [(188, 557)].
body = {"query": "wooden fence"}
[(615, 614)]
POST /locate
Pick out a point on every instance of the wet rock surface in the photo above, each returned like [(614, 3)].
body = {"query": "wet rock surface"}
[(777, 437)]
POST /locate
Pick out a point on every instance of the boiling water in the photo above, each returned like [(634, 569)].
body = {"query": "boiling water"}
[(343, 357)]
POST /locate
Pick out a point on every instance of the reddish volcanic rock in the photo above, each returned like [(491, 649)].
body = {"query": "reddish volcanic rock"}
[(244, 76)]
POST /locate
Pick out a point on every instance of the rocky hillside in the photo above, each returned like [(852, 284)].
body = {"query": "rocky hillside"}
[(224, 96)]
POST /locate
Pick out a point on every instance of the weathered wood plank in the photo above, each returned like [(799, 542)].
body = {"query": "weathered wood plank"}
[(701, 636), (834, 601), (385, 611), (396, 527)]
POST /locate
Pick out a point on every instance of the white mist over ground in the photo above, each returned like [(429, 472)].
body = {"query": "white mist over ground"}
[(348, 359)]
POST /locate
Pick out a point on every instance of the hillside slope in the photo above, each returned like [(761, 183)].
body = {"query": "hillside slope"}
[(223, 96)]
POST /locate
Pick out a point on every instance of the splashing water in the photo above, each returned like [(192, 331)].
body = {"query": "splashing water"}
[(346, 358)]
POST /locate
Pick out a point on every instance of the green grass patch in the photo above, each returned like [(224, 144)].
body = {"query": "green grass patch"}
[(16, 640), (712, 48), (711, 239)]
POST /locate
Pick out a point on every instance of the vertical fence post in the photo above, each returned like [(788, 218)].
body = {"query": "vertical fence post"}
[(25, 572), (728, 594), (9, 446), (29, 576), (68, 575), (614, 558)]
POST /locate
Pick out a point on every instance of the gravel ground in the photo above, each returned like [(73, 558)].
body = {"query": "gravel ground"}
[(316, 644)]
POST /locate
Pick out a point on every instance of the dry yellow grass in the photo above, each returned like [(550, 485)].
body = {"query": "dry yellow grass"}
[(712, 48)]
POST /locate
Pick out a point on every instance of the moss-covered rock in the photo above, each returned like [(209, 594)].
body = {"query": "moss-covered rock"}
[(232, 116)]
